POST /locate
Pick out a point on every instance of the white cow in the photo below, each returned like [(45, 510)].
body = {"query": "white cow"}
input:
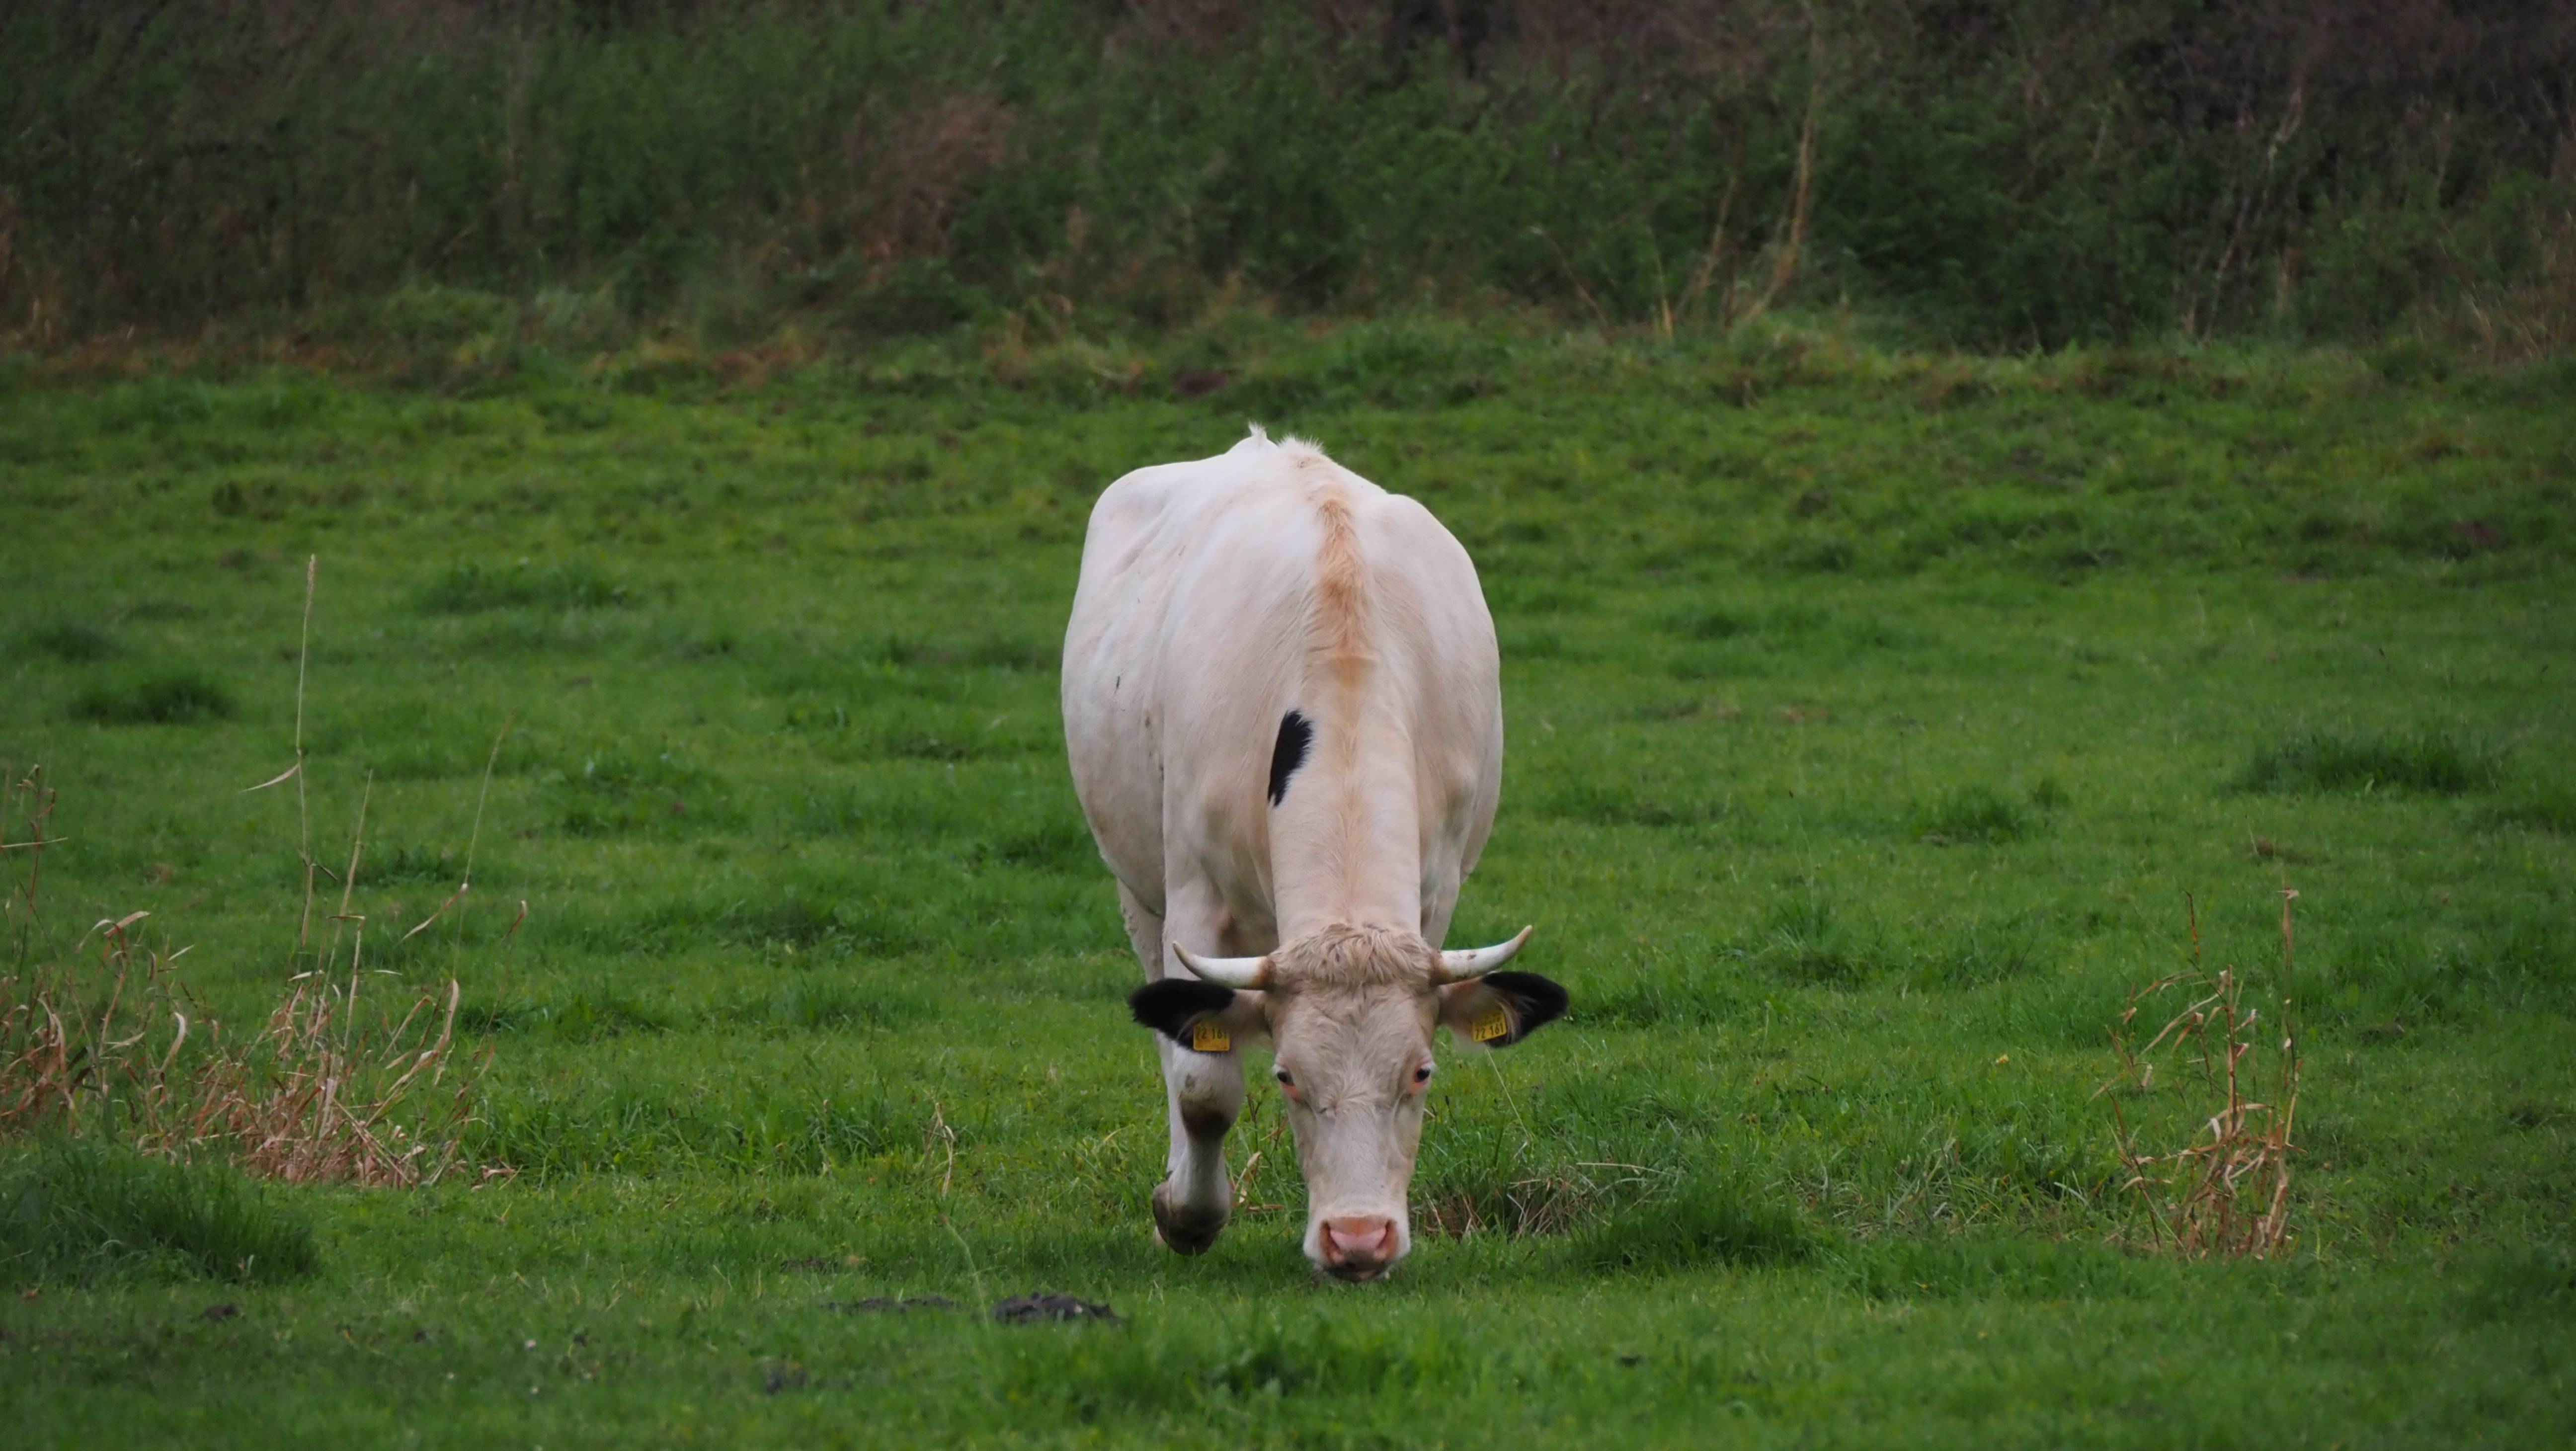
[(1282, 706)]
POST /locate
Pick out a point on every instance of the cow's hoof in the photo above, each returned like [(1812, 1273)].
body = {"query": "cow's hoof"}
[(1184, 1230)]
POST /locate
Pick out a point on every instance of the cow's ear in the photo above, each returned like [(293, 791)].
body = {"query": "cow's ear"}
[(1500, 1008), (1200, 1016)]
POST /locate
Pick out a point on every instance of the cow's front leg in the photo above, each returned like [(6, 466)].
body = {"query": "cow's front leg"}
[(1204, 1094)]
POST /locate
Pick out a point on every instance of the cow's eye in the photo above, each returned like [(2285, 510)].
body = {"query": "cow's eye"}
[(1284, 1080), (1422, 1074)]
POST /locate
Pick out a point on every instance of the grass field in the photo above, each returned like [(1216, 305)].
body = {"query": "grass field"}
[(1872, 716)]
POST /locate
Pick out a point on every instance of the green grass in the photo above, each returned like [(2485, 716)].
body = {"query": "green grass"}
[(87, 1213), (468, 587), (2324, 761), (1867, 732), (71, 642), (175, 696)]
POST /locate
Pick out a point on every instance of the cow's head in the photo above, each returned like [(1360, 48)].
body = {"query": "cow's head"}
[(1350, 1011)]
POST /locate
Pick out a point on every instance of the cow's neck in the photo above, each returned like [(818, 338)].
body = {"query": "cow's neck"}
[(1345, 838)]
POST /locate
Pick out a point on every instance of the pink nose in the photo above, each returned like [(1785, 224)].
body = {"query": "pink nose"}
[(1359, 1244)]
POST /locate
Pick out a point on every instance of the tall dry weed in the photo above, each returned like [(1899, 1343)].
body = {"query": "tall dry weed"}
[(111, 1042), (2227, 1192), (331, 1088)]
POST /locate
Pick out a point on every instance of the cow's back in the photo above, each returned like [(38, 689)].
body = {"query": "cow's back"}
[(1194, 629)]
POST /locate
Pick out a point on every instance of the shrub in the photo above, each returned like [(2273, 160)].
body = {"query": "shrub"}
[(893, 169)]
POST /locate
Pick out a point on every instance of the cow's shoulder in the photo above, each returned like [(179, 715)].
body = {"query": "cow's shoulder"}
[(1203, 496), (1133, 503)]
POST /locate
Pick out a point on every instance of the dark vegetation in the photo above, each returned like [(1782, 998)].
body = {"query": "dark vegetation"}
[(87, 1211), (166, 697), (72, 642), (469, 587), (429, 175), (1707, 1219), (2329, 761)]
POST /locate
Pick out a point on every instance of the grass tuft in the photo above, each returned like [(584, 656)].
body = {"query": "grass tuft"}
[(2326, 761), (85, 1211), (1983, 1267), (1805, 940), (2535, 1282), (409, 863), (176, 697), (469, 588), (72, 642), (1972, 814), (2545, 806), (115, 1046), (1710, 1218)]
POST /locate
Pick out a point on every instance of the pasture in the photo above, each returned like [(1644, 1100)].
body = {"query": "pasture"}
[(1871, 717)]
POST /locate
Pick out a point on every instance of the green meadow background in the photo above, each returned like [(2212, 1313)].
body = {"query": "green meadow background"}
[(1874, 713)]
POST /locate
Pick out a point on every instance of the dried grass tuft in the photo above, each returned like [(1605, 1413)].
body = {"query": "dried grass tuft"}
[(2228, 1191), (330, 1089), (113, 1044), (1549, 1199)]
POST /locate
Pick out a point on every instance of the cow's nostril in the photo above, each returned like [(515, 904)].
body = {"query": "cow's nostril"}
[(1359, 1240)]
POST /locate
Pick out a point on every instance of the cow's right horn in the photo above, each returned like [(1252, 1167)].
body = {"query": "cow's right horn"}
[(1460, 964), (1235, 972)]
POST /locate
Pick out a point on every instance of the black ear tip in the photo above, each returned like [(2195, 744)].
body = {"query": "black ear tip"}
[(1539, 1000), (1167, 1005)]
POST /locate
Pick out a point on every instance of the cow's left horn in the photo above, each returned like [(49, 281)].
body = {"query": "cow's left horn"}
[(1235, 972), (1467, 962)]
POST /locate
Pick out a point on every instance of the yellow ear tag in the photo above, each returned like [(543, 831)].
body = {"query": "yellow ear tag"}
[(1490, 1024), (1209, 1036)]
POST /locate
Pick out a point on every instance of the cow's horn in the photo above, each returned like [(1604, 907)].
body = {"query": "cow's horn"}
[(1468, 962), (1237, 972)]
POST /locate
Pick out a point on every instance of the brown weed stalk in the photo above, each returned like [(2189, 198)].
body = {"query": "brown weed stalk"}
[(317, 1098), (325, 1091), (2228, 1191), (113, 1043)]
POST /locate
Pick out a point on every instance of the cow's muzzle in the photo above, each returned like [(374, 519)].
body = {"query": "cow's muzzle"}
[(1359, 1246)]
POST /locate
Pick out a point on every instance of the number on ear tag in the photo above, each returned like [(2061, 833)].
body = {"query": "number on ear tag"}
[(1490, 1024), (1209, 1036)]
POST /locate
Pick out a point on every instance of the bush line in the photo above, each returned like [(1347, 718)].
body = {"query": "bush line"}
[(1999, 176)]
